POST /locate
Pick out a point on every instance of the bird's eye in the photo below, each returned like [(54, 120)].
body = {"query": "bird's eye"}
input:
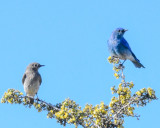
[(35, 65), (119, 30)]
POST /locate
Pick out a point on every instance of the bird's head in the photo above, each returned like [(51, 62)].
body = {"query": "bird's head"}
[(34, 66), (119, 32)]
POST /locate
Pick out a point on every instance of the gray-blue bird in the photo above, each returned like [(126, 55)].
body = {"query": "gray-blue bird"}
[(32, 80), (119, 47)]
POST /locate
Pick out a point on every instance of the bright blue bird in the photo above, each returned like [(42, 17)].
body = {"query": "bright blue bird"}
[(119, 47)]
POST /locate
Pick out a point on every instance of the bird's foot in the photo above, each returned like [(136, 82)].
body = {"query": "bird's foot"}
[(120, 66), (37, 97)]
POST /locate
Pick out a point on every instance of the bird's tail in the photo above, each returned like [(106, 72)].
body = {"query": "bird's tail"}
[(30, 99), (137, 64)]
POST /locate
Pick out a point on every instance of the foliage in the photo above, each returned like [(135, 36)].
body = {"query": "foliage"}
[(122, 104)]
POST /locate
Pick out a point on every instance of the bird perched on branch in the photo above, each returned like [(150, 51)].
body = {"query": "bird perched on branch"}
[(32, 80), (119, 47)]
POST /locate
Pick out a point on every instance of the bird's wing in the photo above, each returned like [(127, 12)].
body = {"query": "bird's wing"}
[(24, 77), (40, 79), (125, 44)]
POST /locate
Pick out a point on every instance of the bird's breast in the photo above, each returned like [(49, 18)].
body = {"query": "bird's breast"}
[(31, 85)]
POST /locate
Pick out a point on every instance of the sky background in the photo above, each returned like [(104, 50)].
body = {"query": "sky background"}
[(70, 38)]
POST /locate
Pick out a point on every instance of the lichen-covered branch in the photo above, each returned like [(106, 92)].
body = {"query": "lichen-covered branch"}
[(100, 116)]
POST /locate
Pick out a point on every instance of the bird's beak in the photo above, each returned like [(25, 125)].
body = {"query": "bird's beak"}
[(41, 65), (125, 30)]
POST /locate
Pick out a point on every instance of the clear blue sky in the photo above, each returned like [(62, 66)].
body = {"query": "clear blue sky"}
[(70, 38)]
